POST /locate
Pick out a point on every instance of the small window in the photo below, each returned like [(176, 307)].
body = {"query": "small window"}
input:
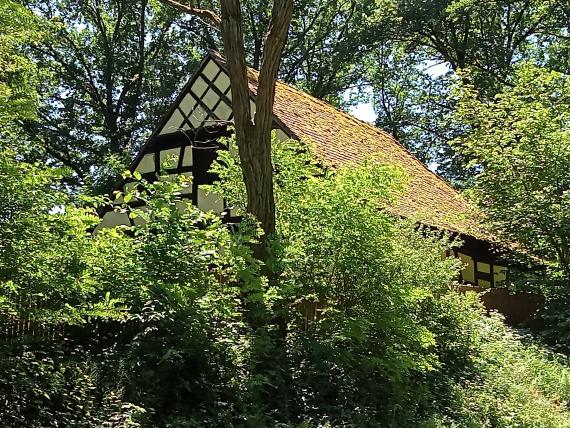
[(489, 275)]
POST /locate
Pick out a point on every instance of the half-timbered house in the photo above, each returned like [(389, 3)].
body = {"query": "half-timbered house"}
[(190, 131)]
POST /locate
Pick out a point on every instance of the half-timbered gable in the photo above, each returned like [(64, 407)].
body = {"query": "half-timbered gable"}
[(189, 135)]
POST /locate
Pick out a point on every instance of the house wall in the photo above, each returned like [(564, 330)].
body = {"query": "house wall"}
[(485, 274), (186, 141), (205, 103)]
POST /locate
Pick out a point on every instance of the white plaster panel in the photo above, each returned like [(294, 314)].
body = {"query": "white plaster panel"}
[(500, 273), (169, 177), (210, 99), (174, 123), (114, 219), (483, 267), (187, 104), (146, 165), (199, 86), (209, 201), (170, 155), (187, 158), (198, 116), (181, 206), (281, 135), (223, 111), (210, 70), (468, 271), (187, 188), (222, 82)]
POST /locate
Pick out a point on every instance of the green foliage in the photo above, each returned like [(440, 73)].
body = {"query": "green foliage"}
[(326, 45), (428, 43), (520, 143), (18, 76), (156, 303), (104, 97), (185, 328), (48, 389), (487, 36), (170, 322), (43, 238), (376, 337), (517, 384), (554, 315)]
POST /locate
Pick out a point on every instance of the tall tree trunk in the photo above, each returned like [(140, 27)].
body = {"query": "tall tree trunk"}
[(254, 148), (253, 134)]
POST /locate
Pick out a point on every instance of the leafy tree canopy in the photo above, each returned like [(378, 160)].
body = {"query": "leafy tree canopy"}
[(487, 37), (18, 74), (520, 144), (115, 67)]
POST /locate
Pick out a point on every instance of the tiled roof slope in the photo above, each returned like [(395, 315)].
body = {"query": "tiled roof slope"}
[(340, 138)]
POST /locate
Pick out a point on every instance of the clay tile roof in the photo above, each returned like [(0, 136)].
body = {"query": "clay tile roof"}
[(340, 138)]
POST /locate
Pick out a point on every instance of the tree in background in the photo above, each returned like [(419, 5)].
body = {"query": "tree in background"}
[(115, 67), (408, 101), (488, 38), (327, 45), (326, 42), (520, 144)]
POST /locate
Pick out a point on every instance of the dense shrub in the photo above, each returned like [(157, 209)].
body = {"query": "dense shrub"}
[(553, 328), (58, 388), (173, 323), (389, 343)]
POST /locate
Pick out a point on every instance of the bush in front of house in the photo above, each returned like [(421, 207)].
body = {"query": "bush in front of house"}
[(173, 322)]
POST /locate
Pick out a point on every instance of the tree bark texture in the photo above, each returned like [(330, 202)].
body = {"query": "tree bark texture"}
[(253, 134)]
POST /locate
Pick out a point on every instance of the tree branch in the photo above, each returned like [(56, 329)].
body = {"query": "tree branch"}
[(276, 38), (204, 14)]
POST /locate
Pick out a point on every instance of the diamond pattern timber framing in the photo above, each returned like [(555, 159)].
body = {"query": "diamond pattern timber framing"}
[(205, 100), (186, 140)]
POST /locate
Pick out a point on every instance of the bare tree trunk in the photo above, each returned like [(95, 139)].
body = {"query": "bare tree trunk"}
[(254, 149)]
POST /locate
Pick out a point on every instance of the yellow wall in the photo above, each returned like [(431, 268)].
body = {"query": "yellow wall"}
[(483, 267), (500, 273), (468, 271)]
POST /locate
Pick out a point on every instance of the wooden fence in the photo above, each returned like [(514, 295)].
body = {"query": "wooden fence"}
[(18, 322)]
